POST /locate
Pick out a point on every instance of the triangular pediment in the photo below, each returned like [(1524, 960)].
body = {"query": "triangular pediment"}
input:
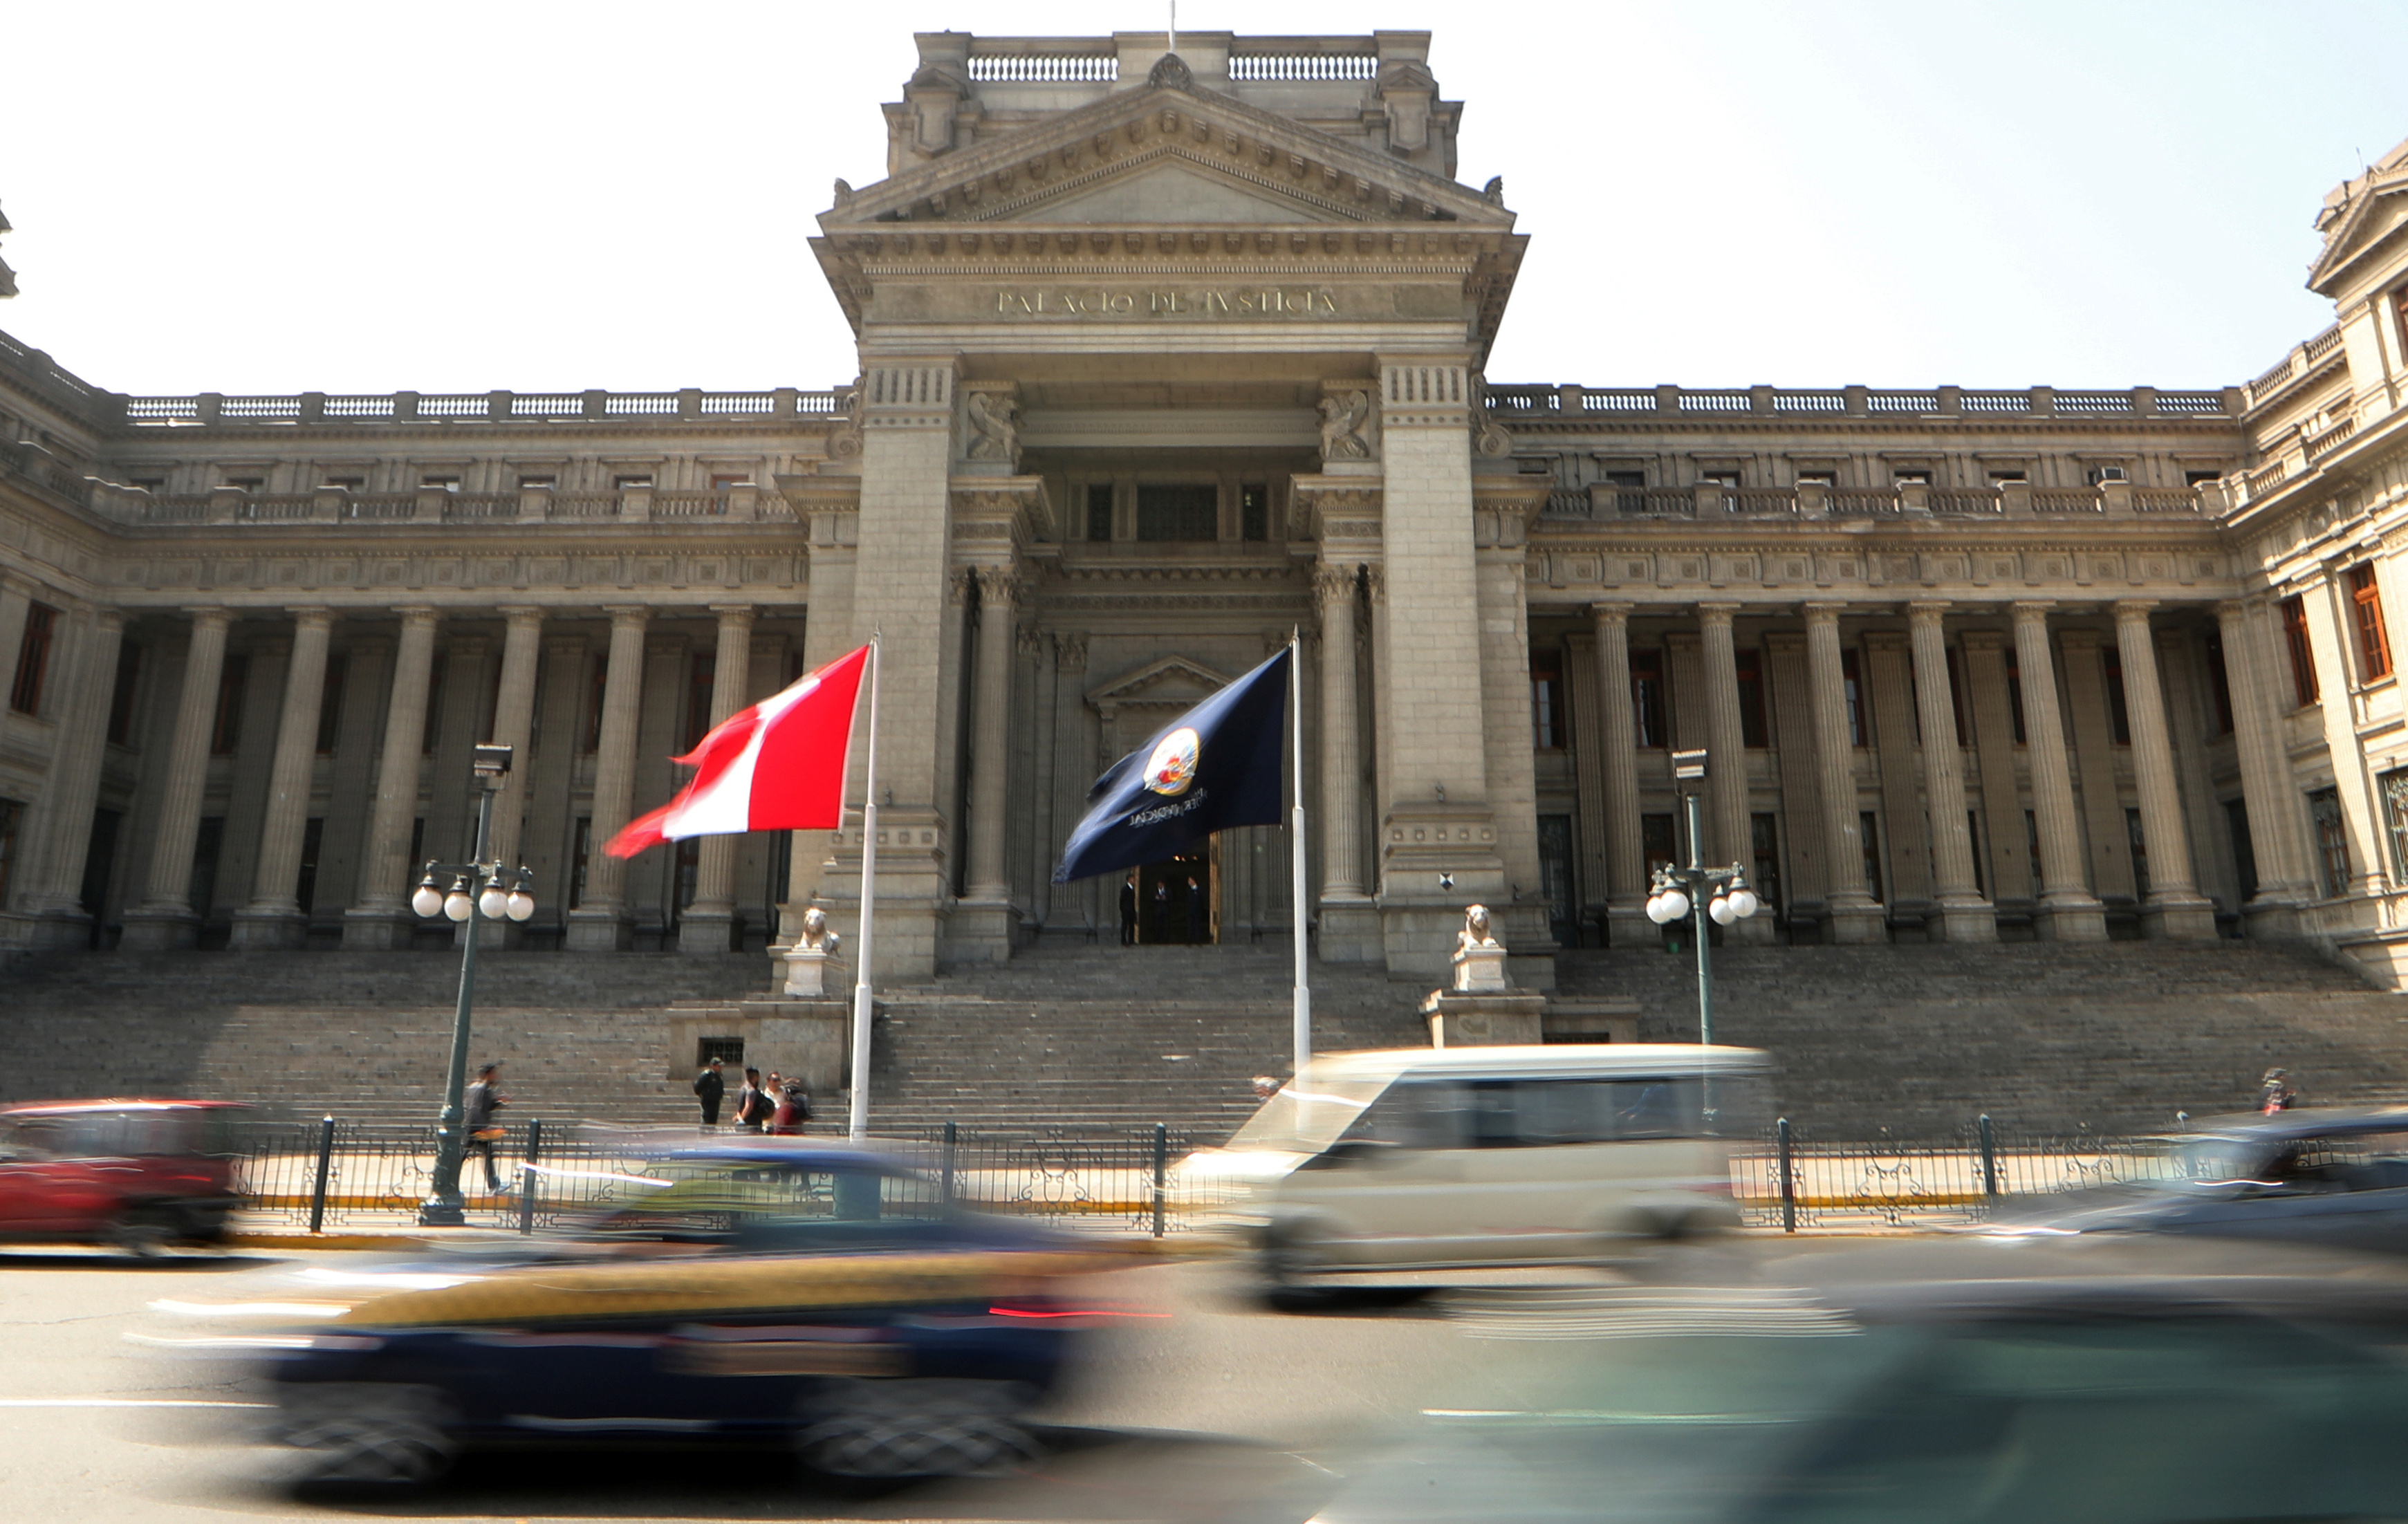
[(1173, 682), (1173, 192), (2367, 214)]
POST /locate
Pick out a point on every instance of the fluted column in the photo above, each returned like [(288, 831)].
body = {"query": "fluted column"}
[(164, 918), (990, 735), (1349, 926), (63, 818), (2174, 909), (600, 922), (1730, 835), (274, 918), (1964, 915), (1626, 847), (2068, 911), (2285, 877), (1850, 914), (709, 924), (382, 918)]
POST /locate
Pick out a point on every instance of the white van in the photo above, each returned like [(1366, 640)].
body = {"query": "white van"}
[(1430, 1159)]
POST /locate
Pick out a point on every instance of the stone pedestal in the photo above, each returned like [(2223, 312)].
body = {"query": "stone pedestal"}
[(148, 930), (1485, 1020), (383, 929), (267, 931), (805, 1039), (1481, 970), (813, 974), (1963, 919), (1350, 932), (2178, 918), (600, 930), (706, 931)]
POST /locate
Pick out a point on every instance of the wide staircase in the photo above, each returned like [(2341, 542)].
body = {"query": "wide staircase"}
[(1916, 1040)]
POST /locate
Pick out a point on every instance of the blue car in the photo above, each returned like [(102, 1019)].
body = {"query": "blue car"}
[(821, 1299)]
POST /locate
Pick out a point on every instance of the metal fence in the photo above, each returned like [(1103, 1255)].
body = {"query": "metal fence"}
[(1789, 1181)]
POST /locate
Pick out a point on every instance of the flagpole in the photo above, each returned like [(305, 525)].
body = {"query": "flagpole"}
[(859, 1127), (1296, 852)]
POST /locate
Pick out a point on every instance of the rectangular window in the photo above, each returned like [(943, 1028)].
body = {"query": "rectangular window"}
[(1546, 700), (1100, 510), (12, 815), (1855, 689), (579, 859), (705, 677), (2303, 656), (2332, 842), (2031, 847), (313, 838), (2373, 644), (1556, 883), (433, 730), (1973, 836), (442, 482), (530, 482), (1630, 495), (1764, 841), (120, 696), (2393, 789), (200, 889), (1957, 696), (1178, 511), (1751, 699), (2219, 683), (631, 480), (99, 863), (598, 678), (1254, 511), (417, 844), (347, 484), (727, 481), (1869, 830), (2098, 474), (2245, 849), (2119, 720), (1655, 840), (1647, 697), (34, 660), (689, 866), (2140, 852), (330, 705), (225, 728), (2016, 693)]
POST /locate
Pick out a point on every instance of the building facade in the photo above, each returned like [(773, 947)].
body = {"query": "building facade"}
[(1163, 357)]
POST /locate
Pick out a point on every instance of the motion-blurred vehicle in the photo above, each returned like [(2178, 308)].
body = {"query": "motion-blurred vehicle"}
[(2336, 1178), (1426, 1158), (1964, 1381), (142, 1175), (823, 1299)]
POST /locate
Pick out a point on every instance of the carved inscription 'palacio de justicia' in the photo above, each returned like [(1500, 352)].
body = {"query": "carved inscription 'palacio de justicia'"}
[(1161, 357)]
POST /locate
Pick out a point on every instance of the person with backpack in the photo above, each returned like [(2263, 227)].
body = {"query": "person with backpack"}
[(793, 1110)]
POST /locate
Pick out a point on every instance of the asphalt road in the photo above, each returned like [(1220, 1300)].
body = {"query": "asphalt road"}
[(1217, 1408)]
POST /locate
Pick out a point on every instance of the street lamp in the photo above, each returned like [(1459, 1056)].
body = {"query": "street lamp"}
[(477, 889), (1703, 893)]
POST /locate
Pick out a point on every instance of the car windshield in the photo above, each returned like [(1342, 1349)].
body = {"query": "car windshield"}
[(1309, 1115)]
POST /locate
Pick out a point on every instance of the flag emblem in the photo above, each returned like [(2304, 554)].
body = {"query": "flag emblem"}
[(1172, 767)]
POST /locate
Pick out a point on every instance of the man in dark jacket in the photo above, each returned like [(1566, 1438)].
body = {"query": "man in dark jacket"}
[(1128, 911), (480, 1122), (708, 1088)]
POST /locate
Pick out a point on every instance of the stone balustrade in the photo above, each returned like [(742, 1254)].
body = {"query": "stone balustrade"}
[(743, 502), (1524, 403), (1907, 500)]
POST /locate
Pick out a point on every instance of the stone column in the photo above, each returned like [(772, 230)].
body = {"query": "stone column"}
[(1848, 907), (1888, 696), (1964, 915), (2285, 875), (2068, 911), (1626, 851), (709, 924), (1074, 754), (513, 726), (274, 918), (1350, 927), (164, 918), (17, 594), (382, 920), (600, 922), (1038, 646), (73, 786), (1730, 835), (983, 923), (1989, 706), (2174, 910)]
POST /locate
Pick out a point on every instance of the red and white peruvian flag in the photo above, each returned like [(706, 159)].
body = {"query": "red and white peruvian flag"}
[(779, 766)]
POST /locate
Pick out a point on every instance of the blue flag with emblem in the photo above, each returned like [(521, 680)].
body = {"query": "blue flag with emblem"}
[(1214, 768)]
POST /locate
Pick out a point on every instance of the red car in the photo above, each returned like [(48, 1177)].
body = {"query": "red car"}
[(139, 1174)]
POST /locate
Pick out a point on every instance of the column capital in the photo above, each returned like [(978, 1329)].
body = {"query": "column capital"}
[(1716, 613), (1611, 612), (997, 584), (1029, 641), (735, 613), (212, 616), (520, 615), (313, 618), (2130, 609), (424, 615), (1927, 611), (1823, 613), (2230, 612), (1333, 586), (16, 581), (1070, 649), (109, 619), (2033, 610), (629, 616)]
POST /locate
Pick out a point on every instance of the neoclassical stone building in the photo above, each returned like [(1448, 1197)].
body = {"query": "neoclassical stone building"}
[(1161, 357)]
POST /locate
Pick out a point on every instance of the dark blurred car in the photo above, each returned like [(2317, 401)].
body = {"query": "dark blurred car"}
[(139, 1174), (2336, 1178), (761, 1293), (1969, 1381)]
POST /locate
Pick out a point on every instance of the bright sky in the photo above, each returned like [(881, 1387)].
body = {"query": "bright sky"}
[(279, 197)]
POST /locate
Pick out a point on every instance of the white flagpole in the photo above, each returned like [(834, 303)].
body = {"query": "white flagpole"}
[(1296, 852), (859, 1122)]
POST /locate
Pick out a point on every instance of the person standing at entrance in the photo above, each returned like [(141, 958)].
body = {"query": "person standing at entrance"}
[(1128, 912), (1199, 925), (709, 1087)]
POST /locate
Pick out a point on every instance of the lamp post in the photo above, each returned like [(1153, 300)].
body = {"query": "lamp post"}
[(1697, 891), (477, 889)]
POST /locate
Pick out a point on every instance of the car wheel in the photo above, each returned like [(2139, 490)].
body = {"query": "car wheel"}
[(919, 1427), (1286, 1265), (368, 1433), (144, 1231)]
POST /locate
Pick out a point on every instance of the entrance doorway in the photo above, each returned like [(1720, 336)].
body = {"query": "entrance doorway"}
[(1168, 909)]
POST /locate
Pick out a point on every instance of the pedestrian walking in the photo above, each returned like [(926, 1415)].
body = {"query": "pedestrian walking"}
[(793, 1110), (1199, 923), (753, 1103), (708, 1088), (1128, 911), (481, 1122), (2276, 1093)]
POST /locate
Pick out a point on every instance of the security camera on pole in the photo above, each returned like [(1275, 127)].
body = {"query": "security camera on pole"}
[(1697, 891)]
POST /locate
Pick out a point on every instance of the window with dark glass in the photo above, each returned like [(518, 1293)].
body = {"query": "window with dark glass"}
[(2016, 693), (532, 481), (579, 858), (2303, 656), (209, 845), (1750, 698), (597, 679), (2244, 850), (432, 729), (305, 888), (225, 727), (1546, 701), (2031, 847), (1655, 840), (1855, 689), (1764, 842), (2332, 842), (631, 480), (1647, 697), (1869, 832), (1100, 510), (34, 660), (704, 674), (121, 696), (12, 815), (2140, 843), (330, 704), (2098, 474), (1957, 695), (1254, 511), (444, 482), (1178, 511), (2119, 720), (2219, 683), (1629, 490), (1973, 836), (2373, 644)]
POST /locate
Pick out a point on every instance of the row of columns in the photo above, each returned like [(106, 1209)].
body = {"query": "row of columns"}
[(55, 836), (2069, 910), (273, 917)]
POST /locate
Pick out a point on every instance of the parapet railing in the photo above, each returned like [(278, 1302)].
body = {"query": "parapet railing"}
[(743, 503), (1708, 501), (691, 406), (2308, 358), (1527, 401)]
